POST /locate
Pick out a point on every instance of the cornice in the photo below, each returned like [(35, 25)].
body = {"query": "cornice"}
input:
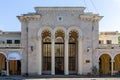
[(59, 8), (29, 18), (90, 17), (108, 50)]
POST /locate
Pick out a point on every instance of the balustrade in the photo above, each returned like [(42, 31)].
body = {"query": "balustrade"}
[(10, 45), (109, 46)]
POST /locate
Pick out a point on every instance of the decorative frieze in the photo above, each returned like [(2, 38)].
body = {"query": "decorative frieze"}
[(90, 17), (29, 18), (39, 9)]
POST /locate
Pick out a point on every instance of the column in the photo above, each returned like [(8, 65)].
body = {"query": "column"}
[(7, 67), (80, 56), (53, 54), (112, 67), (66, 56), (98, 66), (40, 56)]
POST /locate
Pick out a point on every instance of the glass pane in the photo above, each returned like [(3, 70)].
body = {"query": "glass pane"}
[(72, 56), (46, 56)]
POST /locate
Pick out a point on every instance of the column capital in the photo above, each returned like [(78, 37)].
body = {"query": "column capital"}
[(39, 36), (80, 36), (97, 60), (7, 60), (112, 60), (52, 36), (66, 37)]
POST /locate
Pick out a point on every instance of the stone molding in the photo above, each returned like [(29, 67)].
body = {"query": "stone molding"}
[(108, 50), (112, 54), (90, 17), (38, 9), (29, 18)]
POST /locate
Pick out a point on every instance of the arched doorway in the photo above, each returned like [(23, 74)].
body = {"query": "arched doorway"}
[(2, 62), (105, 64), (59, 52), (117, 63), (14, 67), (14, 63), (46, 52), (73, 40)]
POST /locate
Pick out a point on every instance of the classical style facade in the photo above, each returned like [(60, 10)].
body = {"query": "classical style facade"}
[(58, 41)]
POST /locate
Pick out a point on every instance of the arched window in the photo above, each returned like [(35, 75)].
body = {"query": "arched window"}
[(59, 52), (46, 52), (73, 50)]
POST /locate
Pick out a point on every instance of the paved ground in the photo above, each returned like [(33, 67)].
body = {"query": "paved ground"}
[(12, 78), (78, 79), (58, 77)]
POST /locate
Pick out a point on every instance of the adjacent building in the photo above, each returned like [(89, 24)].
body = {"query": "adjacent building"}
[(108, 37), (10, 53)]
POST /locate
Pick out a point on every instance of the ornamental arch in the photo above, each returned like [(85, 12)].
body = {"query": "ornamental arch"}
[(75, 29), (117, 63), (46, 50), (59, 50), (105, 63), (14, 63), (3, 58), (73, 50), (60, 28), (42, 29), (105, 52)]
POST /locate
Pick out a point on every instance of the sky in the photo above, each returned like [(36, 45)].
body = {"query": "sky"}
[(110, 9)]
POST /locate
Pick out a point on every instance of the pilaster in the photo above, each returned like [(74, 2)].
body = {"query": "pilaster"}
[(80, 56), (53, 53), (40, 55), (66, 61), (112, 61)]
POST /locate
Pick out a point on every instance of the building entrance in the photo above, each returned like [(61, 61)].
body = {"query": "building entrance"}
[(59, 65), (2, 63), (105, 64), (59, 58), (14, 67)]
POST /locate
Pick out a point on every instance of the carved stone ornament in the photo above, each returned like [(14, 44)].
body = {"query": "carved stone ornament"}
[(91, 17), (66, 36), (52, 36), (39, 36), (29, 18)]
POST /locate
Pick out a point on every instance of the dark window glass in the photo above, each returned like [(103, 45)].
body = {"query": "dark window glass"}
[(72, 56), (109, 42), (9, 41), (46, 56), (100, 41), (17, 41)]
